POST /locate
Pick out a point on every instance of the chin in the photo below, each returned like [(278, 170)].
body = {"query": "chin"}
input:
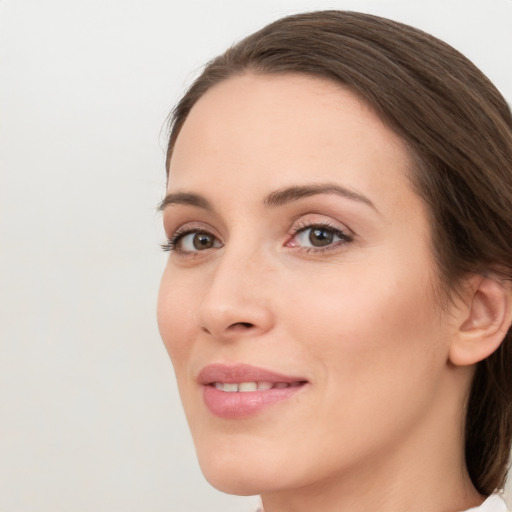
[(238, 481), (239, 472), (238, 486)]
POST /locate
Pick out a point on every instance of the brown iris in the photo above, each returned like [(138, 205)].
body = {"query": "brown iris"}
[(320, 237), (203, 241)]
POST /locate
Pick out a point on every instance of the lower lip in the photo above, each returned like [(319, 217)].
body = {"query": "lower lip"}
[(235, 405)]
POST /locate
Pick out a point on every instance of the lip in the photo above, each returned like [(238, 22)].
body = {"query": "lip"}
[(234, 405)]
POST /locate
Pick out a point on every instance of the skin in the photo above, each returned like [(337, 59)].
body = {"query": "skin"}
[(379, 424)]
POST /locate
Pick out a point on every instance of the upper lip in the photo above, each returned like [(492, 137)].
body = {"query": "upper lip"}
[(242, 373)]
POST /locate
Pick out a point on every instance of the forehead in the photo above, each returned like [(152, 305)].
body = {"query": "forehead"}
[(264, 131)]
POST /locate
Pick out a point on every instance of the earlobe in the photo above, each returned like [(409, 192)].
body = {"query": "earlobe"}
[(483, 322)]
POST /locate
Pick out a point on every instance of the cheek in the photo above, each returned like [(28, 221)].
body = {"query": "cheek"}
[(378, 348), (371, 324), (175, 318)]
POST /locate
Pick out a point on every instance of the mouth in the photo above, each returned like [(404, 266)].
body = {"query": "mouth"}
[(239, 391), (248, 387)]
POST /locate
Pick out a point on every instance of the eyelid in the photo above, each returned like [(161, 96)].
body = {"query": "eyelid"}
[(315, 219)]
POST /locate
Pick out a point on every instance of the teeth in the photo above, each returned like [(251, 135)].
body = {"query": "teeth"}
[(227, 387), (243, 387), (247, 386)]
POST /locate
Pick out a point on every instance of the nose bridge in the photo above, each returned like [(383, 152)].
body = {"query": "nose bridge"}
[(236, 299)]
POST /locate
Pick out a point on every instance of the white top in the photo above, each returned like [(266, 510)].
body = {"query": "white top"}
[(494, 503)]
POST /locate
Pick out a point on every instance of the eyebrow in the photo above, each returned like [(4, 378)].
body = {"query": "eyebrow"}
[(289, 194), (186, 198), (274, 199)]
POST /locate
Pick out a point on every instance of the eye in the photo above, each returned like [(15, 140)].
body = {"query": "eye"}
[(197, 242), (319, 237), (191, 241)]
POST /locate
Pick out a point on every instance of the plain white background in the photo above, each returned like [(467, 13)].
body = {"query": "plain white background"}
[(89, 415)]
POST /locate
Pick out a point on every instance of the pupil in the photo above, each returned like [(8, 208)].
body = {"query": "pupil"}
[(203, 241), (319, 237)]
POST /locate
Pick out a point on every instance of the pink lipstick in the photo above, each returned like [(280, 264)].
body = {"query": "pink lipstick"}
[(242, 390)]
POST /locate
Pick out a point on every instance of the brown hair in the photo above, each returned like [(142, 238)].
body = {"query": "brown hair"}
[(459, 130)]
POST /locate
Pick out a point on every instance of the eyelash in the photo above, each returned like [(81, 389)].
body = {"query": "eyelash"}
[(342, 235), (172, 244)]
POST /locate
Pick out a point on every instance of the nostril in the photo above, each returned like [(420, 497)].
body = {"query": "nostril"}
[(242, 325)]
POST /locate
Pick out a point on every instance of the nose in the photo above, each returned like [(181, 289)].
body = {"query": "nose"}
[(236, 302)]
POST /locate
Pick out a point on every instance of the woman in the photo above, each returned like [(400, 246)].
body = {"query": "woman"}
[(337, 299)]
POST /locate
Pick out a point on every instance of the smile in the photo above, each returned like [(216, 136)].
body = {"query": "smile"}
[(244, 387), (239, 391)]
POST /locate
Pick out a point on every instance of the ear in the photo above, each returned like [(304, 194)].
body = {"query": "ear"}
[(482, 322)]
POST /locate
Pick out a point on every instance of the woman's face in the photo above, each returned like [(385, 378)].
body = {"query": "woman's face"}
[(297, 303)]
